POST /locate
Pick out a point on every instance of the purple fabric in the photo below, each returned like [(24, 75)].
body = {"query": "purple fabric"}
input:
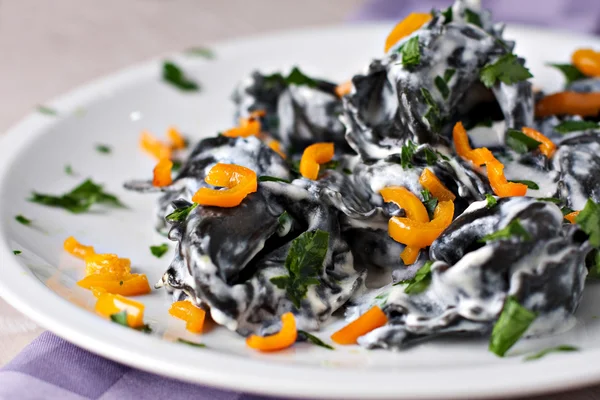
[(52, 368)]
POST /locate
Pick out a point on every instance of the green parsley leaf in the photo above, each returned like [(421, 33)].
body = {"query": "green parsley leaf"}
[(314, 340), (176, 165), (175, 76), (78, 200), (333, 164), (441, 85), (511, 325), (411, 54), (200, 52), (429, 202), (432, 115), (17, 252), (303, 262), (529, 184), (513, 229), (46, 110), (297, 77), (160, 250), (589, 221), (430, 156), (574, 126), (448, 15), (592, 261), (550, 200), (566, 210), (69, 170), (571, 72), (347, 171), (506, 69), (557, 349), (407, 153), (21, 219), (102, 148), (285, 221), (520, 142), (180, 214), (420, 281), (491, 201), (473, 18), (120, 318), (267, 178), (193, 344), (448, 74)]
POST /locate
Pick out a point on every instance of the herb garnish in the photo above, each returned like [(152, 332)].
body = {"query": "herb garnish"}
[(267, 178), (314, 340), (520, 142), (432, 115), (420, 281), (347, 171), (589, 221), (200, 52), (448, 74), (511, 325), (160, 250), (411, 54), (69, 170), (513, 229), (297, 77), (17, 252), (406, 154), (78, 200), (549, 200), (303, 262), (441, 85), (473, 18), (121, 319), (429, 202), (175, 76), (180, 214), (176, 165), (561, 348), (430, 156), (46, 110), (193, 344), (21, 219), (571, 72), (285, 221), (506, 69), (573, 126), (448, 15), (491, 201), (102, 148), (529, 184)]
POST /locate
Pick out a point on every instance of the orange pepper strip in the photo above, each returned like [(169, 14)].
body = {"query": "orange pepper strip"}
[(432, 183), (498, 182), (570, 103), (177, 140), (281, 340), (405, 27), (239, 181), (107, 264), (109, 304), (192, 315), (275, 145), (405, 199), (419, 234), (587, 61), (314, 155), (480, 156), (77, 249), (162, 173), (258, 114), (461, 140), (547, 147), (410, 254), (571, 216), (372, 319), (247, 127), (128, 285), (343, 89), (155, 147)]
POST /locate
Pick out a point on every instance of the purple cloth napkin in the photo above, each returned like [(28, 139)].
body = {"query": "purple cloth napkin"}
[(51, 368)]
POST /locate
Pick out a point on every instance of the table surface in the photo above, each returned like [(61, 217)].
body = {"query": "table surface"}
[(69, 42)]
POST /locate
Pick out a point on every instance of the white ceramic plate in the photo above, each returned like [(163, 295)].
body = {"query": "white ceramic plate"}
[(41, 281)]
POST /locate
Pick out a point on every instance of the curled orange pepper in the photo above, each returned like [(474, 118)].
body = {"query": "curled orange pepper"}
[(275, 145), (77, 249), (109, 304), (420, 234), (372, 319), (239, 181), (571, 216), (285, 338), (461, 140), (410, 254), (177, 140), (547, 147), (405, 27), (155, 147), (258, 114), (247, 127), (480, 156), (498, 182), (127, 285), (587, 61), (192, 315), (109, 264), (343, 89), (314, 155), (570, 103), (162, 173), (431, 182)]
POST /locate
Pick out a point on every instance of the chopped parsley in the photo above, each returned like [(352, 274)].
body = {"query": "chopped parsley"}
[(549, 200), (180, 214), (175, 76), (297, 77), (333, 164), (473, 18), (566, 210), (347, 171), (267, 178), (574, 126), (571, 72), (491, 201), (314, 340), (121, 319), (193, 344), (529, 184), (429, 202), (556, 349), (506, 69), (448, 15), (200, 52), (430, 156), (285, 221), (22, 220), (407, 153), (589, 221), (411, 53), (102, 148), (511, 325), (593, 263), (448, 74), (432, 115), (513, 229), (176, 165), (46, 110), (420, 281), (160, 250), (78, 200), (303, 262), (17, 252), (69, 170), (442, 87), (520, 142)]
